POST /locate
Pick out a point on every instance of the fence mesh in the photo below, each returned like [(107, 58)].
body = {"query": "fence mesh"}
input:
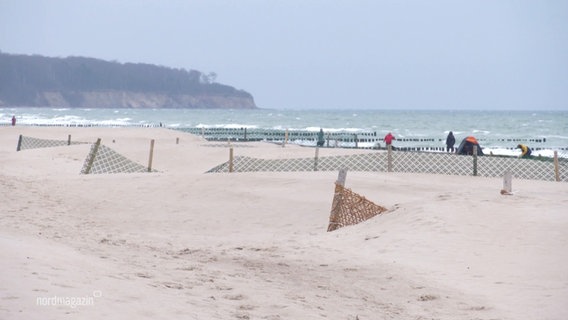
[(102, 159), (35, 143), (413, 162), (106, 160), (349, 208)]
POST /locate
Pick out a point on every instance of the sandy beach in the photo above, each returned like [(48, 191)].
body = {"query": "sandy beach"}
[(182, 243)]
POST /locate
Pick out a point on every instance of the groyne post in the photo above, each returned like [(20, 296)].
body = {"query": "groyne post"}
[(69, 140), (151, 155)]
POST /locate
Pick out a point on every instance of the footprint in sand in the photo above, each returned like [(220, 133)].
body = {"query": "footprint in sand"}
[(234, 297), (246, 307), (427, 297), (172, 285), (445, 196)]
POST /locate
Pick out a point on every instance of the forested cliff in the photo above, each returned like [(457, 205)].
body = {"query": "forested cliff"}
[(77, 82)]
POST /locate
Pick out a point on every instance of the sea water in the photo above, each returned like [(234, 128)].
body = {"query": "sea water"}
[(499, 131)]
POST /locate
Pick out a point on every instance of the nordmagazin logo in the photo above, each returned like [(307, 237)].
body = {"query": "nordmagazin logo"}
[(71, 302)]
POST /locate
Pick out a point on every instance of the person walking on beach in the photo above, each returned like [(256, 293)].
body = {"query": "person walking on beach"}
[(13, 120), (450, 141), (525, 151), (388, 139), (321, 139)]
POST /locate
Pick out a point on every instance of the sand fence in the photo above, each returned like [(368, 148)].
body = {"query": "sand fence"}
[(548, 169), (349, 208), (101, 159)]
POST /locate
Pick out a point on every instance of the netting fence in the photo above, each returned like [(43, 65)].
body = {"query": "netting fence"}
[(34, 143), (101, 159), (538, 168), (349, 208)]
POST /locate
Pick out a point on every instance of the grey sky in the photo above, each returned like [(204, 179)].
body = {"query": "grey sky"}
[(376, 54)]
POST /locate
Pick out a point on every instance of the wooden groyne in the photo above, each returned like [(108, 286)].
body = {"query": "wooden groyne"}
[(342, 139)]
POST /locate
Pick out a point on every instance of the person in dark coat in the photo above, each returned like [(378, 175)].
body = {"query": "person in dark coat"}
[(450, 141), (321, 138)]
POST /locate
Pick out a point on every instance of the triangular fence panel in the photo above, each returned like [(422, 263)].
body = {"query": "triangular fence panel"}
[(350, 208), (103, 159)]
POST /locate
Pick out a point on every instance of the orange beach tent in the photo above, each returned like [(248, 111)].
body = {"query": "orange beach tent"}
[(466, 146)]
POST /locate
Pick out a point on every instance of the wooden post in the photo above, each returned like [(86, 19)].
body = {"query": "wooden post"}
[(93, 156), (231, 159), (151, 155), (556, 169), (316, 159), (19, 147), (474, 160), (327, 142), (177, 140), (69, 140), (342, 176), (337, 198), (285, 138), (389, 158), (356, 140), (507, 183), (245, 134)]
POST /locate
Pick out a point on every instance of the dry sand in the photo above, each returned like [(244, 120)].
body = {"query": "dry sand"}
[(179, 243)]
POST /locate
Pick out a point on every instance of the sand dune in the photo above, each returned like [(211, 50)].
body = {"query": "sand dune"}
[(179, 243)]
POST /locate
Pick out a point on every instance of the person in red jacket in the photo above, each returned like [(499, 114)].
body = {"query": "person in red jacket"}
[(388, 139)]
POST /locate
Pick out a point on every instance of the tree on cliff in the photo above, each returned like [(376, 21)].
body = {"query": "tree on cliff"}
[(23, 78)]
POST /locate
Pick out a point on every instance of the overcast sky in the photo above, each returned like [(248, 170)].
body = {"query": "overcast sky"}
[(375, 54)]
